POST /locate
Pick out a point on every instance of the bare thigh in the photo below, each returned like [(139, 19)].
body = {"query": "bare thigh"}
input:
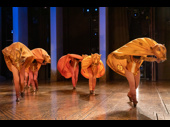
[(31, 79), (22, 78), (137, 80), (16, 80), (35, 75), (90, 78)]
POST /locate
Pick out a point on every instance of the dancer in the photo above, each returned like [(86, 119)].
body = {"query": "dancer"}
[(127, 60), (18, 58), (41, 58), (68, 66), (92, 68)]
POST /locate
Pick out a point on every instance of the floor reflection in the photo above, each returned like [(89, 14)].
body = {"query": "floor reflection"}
[(58, 101), (132, 114)]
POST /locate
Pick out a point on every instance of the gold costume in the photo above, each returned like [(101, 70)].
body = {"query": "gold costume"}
[(40, 56), (138, 47), (97, 66), (17, 54)]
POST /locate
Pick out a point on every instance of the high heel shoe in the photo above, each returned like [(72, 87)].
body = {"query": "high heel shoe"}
[(17, 100), (130, 98), (135, 103), (22, 94)]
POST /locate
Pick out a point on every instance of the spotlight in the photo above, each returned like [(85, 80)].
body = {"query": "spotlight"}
[(135, 13)]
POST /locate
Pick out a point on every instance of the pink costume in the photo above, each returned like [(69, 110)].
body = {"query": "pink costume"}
[(69, 68), (40, 56)]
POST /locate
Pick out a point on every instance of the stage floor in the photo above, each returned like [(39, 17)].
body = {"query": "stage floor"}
[(57, 101)]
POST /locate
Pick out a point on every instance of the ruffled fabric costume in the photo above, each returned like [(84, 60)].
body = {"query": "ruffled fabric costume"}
[(87, 62), (40, 55), (63, 61), (17, 54), (136, 47)]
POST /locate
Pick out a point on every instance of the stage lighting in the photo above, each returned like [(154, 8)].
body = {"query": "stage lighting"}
[(135, 13)]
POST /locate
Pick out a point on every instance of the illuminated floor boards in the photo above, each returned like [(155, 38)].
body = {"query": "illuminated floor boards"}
[(57, 101)]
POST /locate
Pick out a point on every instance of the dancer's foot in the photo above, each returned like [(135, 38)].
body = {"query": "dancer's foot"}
[(92, 92), (135, 103), (34, 90), (130, 98), (17, 100), (22, 94), (134, 100)]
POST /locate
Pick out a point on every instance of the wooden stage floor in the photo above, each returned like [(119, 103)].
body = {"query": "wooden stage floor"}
[(57, 101)]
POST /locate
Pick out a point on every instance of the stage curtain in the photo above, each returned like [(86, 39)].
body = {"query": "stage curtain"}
[(118, 32)]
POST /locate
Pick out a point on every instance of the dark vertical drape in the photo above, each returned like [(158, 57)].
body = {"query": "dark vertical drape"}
[(118, 32), (162, 24)]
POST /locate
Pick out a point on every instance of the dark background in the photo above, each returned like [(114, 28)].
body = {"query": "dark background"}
[(81, 33)]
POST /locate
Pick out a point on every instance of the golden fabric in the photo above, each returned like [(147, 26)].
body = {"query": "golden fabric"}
[(17, 54), (63, 61), (40, 55), (138, 47), (88, 62)]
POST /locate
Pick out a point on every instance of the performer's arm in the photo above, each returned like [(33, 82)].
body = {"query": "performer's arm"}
[(149, 59), (44, 63), (122, 57)]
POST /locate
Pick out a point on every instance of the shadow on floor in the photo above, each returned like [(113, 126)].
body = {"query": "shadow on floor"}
[(82, 95), (132, 114)]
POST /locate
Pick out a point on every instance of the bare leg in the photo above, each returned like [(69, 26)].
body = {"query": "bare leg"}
[(76, 74), (73, 77), (73, 70), (94, 70), (131, 79), (137, 80), (90, 79), (26, 78), (73, 82), (36, 79), (94, 82), (22, 76), (31, 79), (16, 81)]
